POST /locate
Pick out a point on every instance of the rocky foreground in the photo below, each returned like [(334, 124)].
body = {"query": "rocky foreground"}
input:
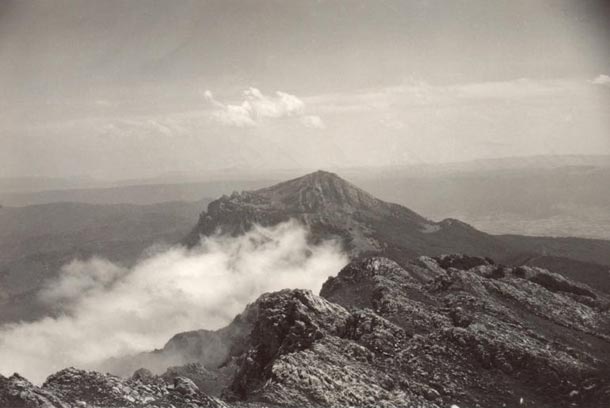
[(451, 330)]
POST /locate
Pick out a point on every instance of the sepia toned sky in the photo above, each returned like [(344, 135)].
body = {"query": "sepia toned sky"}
[(137, 88)]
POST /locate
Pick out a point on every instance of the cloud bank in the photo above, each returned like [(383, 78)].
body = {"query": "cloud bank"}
[(257, 108), (111, 311)]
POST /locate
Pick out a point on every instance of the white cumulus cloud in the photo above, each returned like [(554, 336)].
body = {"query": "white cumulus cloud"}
[(257, 107)]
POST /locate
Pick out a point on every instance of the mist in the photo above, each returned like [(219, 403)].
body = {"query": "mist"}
[(111, 311)]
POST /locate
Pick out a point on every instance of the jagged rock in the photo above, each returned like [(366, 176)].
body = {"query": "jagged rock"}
[(478, 336), (461, 261), (17, 392), (459, 317), (383, 286), (287, 321), (96, 389), (432, 333), (143, 375), (185, 386), (208, 381), (555, 282), (71, 388), (437, 331)]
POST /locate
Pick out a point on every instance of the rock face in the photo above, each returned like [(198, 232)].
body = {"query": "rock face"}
[(448, 330), (71, 388), (434, 332), (334, 208), (481, 334), (17, 392)]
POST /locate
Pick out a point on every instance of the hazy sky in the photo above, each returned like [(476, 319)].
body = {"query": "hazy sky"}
[(134, 88)]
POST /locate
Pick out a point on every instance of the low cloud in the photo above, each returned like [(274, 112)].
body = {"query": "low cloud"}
[(257, 108), (79, 278), (601, 80), (110, 311)]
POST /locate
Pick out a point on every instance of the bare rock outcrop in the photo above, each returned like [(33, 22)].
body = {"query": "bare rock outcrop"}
[(432, 333), (441, 331)]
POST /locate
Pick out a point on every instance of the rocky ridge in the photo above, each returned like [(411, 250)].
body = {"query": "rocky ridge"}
[(449, 330), (71, 388), (78, 388), (333, 208), (435, 332)]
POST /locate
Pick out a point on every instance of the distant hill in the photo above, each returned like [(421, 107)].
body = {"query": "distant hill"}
[(565, 196), (141, 194)]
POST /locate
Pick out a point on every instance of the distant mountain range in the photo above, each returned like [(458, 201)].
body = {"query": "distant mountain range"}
[(145, 193), (557, 196)]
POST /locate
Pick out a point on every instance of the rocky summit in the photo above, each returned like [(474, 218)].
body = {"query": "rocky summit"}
[(332, 208), (443, 331)]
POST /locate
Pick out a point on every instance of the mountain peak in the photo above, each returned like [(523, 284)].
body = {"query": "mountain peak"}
[(318, 191), (333, 208), (312, 179), (322, 174)]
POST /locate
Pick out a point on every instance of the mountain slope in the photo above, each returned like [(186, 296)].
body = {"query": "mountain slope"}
[(333, 208), (437, 332), (452, 329)]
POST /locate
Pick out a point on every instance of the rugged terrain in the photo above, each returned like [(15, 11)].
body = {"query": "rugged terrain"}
[(335, 209), (439, 331), (394, 328), (37, 240)]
